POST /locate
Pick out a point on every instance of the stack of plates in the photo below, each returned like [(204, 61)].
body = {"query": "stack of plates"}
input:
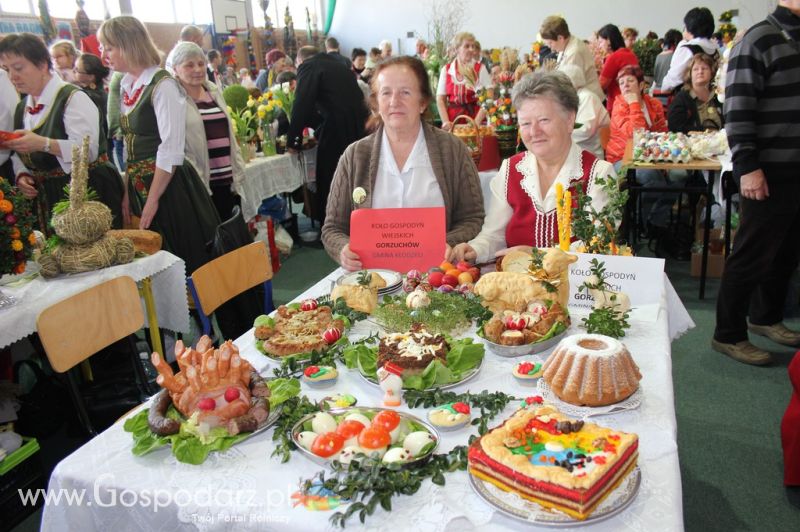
[(393, 279)]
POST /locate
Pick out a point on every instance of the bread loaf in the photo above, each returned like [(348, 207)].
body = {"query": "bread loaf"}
[(148, 242)]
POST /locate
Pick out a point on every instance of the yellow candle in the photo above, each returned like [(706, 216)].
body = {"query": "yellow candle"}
[(566, 229)]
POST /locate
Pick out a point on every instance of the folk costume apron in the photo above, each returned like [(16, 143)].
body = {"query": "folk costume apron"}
[(461, 98), (186, 218), (529, 225)]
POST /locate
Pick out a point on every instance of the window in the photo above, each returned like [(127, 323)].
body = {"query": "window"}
[(189, 11), (95, 9), (15, 6)]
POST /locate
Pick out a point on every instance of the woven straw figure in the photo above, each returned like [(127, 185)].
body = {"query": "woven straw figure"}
[(82, 229)]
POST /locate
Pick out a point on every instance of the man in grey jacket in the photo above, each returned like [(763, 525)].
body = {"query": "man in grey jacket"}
[(762, 119)]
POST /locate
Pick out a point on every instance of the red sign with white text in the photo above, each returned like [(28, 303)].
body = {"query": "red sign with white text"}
[(398, 239)]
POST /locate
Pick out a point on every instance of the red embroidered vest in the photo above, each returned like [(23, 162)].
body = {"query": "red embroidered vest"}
[(528, 225), (461, 98)]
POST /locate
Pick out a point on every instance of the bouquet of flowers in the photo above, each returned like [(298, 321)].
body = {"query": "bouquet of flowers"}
[(497, 103), (283, 97), (267, 112), (16, 229), (244, 121)]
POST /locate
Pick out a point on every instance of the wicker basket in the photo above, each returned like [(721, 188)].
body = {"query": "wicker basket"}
[(470, 134)]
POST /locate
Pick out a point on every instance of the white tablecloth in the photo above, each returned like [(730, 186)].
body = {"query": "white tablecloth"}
[(267, 176), (205, 497), (167, 272)]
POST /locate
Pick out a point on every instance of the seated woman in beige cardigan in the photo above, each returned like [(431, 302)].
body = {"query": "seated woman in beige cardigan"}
[(404, 163)]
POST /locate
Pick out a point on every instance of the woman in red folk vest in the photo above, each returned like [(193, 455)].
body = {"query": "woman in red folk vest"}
[(522, 208), (458, 81)]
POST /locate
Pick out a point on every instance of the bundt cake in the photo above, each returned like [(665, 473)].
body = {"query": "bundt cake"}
[(591, 370)]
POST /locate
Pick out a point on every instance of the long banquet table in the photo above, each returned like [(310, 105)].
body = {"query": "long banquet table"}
[(245, 488)]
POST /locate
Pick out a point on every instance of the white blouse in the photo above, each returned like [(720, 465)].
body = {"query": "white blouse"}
[(8, 104), (492, 237), (413, 186), (484, 79), (170, 108), (81, 118)]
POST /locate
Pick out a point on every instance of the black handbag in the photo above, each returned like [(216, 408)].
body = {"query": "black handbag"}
[(236, 316)]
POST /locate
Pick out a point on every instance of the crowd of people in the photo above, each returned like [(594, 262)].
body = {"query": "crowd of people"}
[(577, 103)]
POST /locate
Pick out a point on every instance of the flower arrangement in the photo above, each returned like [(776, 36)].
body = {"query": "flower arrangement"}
[(283, 97), (267, 112), (646, 51), (727, 28), (497, 103), (244, 121), (16, 229), (598, 52)]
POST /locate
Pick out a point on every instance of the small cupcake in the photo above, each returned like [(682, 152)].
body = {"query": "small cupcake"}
[(527, 372), (320, 376), (339, 401), (451, 416)]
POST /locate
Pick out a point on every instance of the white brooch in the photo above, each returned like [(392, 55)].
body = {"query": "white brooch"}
[(359, 195)]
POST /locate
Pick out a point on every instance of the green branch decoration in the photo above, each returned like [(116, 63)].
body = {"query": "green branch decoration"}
[(293, 411), (369, 483), (607, 320), (488, 403), (598, 230)]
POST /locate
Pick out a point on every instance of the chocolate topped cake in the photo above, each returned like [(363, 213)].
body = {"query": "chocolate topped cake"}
[(412, 350)]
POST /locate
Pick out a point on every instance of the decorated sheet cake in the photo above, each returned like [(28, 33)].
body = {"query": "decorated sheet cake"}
[(559, 463)]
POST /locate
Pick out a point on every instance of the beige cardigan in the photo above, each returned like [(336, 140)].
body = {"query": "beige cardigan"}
[(196, 149), (454, 170)]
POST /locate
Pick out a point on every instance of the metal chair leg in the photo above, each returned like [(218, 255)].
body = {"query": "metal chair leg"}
[(80, 405)]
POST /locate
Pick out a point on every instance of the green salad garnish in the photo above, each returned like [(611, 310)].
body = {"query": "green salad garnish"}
[(192, 444), (463, 357)]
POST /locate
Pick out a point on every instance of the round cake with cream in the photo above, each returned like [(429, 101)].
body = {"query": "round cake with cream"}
[(591, 370)]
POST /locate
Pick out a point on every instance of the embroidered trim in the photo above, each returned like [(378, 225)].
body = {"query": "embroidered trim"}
[(137, 171), (59, 172), (130, 101), (523, 168)]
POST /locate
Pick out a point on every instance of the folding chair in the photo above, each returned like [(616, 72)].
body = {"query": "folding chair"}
[(76, 328), (223, 278)]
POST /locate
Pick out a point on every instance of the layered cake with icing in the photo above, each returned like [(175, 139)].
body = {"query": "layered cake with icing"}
[(559, 463), (412, 350), (591, 370)]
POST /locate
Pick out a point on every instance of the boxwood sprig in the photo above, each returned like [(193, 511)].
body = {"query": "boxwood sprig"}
[(489, 403), (369, 482)]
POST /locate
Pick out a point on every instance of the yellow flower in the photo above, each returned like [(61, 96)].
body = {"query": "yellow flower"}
[(269, 95), (32, 239), (250, 102), (270, 107), (279, 103), (16, 245), (247, 114), (230, 111)]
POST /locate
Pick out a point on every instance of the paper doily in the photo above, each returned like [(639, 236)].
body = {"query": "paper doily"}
[(549, 396)]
